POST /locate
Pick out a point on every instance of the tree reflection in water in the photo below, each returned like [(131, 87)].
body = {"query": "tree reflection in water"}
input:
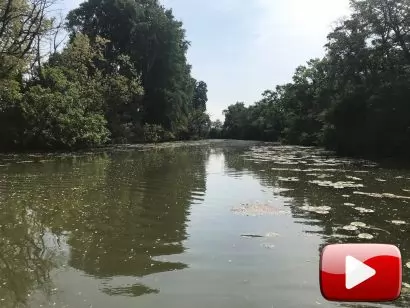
[(115, 212)]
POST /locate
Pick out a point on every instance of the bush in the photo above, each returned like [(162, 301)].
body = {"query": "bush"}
[(153, 133)]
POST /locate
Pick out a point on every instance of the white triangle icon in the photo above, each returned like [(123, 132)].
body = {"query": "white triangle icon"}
[(357, 272)]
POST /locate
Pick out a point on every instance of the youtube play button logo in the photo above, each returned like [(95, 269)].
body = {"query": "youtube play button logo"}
[(361, 273)]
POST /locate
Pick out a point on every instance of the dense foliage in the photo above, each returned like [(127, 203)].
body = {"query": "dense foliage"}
[(122, 77), (355, 100)]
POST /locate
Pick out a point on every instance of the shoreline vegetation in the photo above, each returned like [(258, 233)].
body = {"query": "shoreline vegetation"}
[(354, 100), (122, 77)]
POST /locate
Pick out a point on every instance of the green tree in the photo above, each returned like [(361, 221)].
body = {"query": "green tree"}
[(156, 45), (200, 96), (354, 100)]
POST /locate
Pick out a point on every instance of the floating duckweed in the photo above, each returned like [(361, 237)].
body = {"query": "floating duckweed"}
[(406, 288), (279, 190), (358, 224), (350, 228), (366, 236), (287, 169), (337, 185), (353, 178), (364, 210), (290, 179), (259, 210), (324, 210), (341, 236), (398, 222), (381, 196), (324, 176)]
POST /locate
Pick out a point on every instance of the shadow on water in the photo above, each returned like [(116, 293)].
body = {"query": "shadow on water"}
[(106, 215)]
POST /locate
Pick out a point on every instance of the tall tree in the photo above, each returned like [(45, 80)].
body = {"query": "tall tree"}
[(156, 44)]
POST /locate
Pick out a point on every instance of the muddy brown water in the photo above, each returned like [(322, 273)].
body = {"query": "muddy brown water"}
[(200, 224)]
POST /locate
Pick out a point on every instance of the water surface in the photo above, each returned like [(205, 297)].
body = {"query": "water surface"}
[(204, 224)]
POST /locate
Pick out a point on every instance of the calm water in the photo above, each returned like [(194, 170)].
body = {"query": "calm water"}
[(207, 224)]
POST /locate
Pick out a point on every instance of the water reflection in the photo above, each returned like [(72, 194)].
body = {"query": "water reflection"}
[(155, 226), (105, 214), (341, 208)]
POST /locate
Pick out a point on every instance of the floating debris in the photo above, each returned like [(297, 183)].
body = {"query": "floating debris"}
[(279, 190), (399, 222), (353, 178), (350, 228), (349, 204), (323, 176), (272, 235), (363, 210), (268, 246), (287, 169), (408, 264), (346, 196), (358, 224), (370, 165), (259, 210), (381, 196), (290, 179), (324, 210), (406, 288), (341, 236), (380, 180), (337, 185), (366, 236), (325, 170), (252, 236), (406, 190)]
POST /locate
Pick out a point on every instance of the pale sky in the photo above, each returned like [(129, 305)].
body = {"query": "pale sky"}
[(242, 47)]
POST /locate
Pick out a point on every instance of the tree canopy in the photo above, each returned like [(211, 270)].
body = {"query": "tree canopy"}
[(354, 100), (122, 76)]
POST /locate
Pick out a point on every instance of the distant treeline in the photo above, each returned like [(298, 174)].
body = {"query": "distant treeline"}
[(356, 100), (120, 76)]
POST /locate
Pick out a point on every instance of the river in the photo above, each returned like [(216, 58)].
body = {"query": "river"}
[(202, 224)]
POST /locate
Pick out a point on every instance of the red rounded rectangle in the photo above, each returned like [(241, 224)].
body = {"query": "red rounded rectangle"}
[(361, 273)]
